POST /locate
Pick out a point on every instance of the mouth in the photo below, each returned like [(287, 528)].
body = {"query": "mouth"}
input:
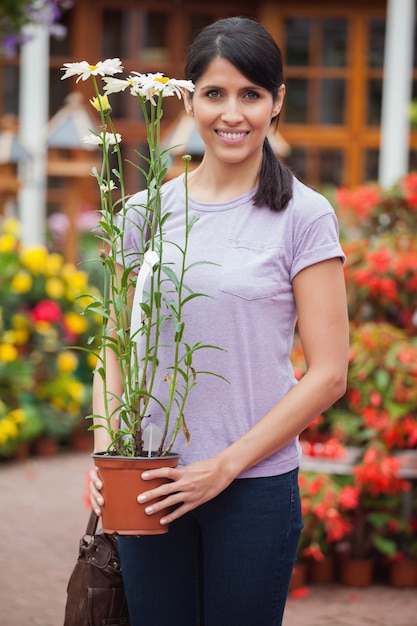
[(233, 136)]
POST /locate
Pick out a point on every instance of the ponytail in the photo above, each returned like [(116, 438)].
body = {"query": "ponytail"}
[(275, 183)]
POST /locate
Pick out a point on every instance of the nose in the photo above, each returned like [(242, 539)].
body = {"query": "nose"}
[(232, 112)]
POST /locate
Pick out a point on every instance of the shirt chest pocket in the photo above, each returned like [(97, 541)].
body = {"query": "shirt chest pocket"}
[(251, 269)]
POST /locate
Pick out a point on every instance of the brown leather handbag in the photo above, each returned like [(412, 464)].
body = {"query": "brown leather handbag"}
[(95, 593)]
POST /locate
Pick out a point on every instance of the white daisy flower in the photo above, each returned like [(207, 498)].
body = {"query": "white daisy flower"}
[(97, 140), (104, 188), (84, 70), (114, 85), (149, 85)]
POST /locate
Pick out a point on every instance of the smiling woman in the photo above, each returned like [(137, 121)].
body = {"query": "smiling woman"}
[(272, 258)]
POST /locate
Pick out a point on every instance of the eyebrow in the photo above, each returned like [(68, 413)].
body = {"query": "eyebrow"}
[(246, 87)]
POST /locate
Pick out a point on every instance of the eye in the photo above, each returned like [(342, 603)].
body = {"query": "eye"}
[(213, 93), (252, 95)]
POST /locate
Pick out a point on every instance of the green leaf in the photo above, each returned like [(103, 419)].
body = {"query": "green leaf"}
[(171, 275), (385, 546), (382, 379)]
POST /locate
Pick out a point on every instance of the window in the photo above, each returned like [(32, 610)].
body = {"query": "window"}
[(334, 70)]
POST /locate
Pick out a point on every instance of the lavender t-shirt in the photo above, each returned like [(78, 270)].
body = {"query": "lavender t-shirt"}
[(253, 254)]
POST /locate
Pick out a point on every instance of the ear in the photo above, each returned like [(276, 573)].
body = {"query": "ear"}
[(188, 105), (277, 106)]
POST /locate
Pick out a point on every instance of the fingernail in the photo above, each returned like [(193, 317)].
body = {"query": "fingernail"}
[(145, 475), (163, 521), (141, 498), (149, 509)]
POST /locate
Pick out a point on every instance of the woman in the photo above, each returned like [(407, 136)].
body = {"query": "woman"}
[(235, 517)]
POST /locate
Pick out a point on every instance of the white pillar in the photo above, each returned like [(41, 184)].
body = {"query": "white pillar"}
[(33, 117), (396, 93)]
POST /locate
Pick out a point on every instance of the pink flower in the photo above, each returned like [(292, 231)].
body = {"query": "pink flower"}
[(46, 311)]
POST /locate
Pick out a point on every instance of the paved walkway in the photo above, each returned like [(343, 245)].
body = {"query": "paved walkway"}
[(43, 515)]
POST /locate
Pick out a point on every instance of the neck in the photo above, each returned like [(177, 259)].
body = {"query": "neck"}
[(221, 182)]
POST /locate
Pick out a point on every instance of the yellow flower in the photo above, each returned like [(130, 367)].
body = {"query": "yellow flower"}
[(11, 226), (101, 103), (92, 360), (79, 282), (20, 336), (18, 416), (35, 259), (21, 282), (19, 321), (7, 243), (54, 264), (44, 328), (54, 288), (8, 353), (67, 362), (76, 323), (8, 430), (76, 390)]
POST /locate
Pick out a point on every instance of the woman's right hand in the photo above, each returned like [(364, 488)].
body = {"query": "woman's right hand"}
[(96, 485)]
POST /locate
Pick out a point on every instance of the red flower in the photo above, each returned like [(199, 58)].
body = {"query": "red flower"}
[(349, 497), (46, 311), (375, 399), (379, 474), (336, 526)]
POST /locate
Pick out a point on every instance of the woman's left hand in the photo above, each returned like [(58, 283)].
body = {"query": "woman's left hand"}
[(189, 487)]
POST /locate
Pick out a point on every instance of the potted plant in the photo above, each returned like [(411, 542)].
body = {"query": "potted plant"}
[(324, 524), (369, 501), (403, 564), (148, 289), (380, 246)]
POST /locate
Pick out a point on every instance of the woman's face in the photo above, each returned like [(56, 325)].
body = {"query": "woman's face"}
[(232, 115)]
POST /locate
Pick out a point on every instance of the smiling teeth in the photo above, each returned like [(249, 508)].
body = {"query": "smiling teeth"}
[(231, 135)]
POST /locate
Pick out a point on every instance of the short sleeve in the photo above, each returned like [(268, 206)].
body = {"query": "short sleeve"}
[(318, 242)]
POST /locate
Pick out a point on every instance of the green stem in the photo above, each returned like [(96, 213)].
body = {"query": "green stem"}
[(178, 336)]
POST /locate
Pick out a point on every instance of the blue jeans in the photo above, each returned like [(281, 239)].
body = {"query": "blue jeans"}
[(227, 563)]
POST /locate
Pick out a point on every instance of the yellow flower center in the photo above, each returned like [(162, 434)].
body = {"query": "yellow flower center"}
[(162, 79)]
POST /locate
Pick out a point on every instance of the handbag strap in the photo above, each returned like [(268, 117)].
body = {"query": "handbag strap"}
[(92, 524)]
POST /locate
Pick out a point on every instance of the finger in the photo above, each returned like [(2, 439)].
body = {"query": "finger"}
[(162, 472), (162, 491), (96, 498), (95, 505), (95, 479), (175, 514), (164, 504)]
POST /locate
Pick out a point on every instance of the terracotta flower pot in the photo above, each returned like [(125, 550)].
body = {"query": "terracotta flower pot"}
[(403, 573), (322, 572), (82, 441), (45, 446), (122, 483), (299, 575), (356, 572)]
